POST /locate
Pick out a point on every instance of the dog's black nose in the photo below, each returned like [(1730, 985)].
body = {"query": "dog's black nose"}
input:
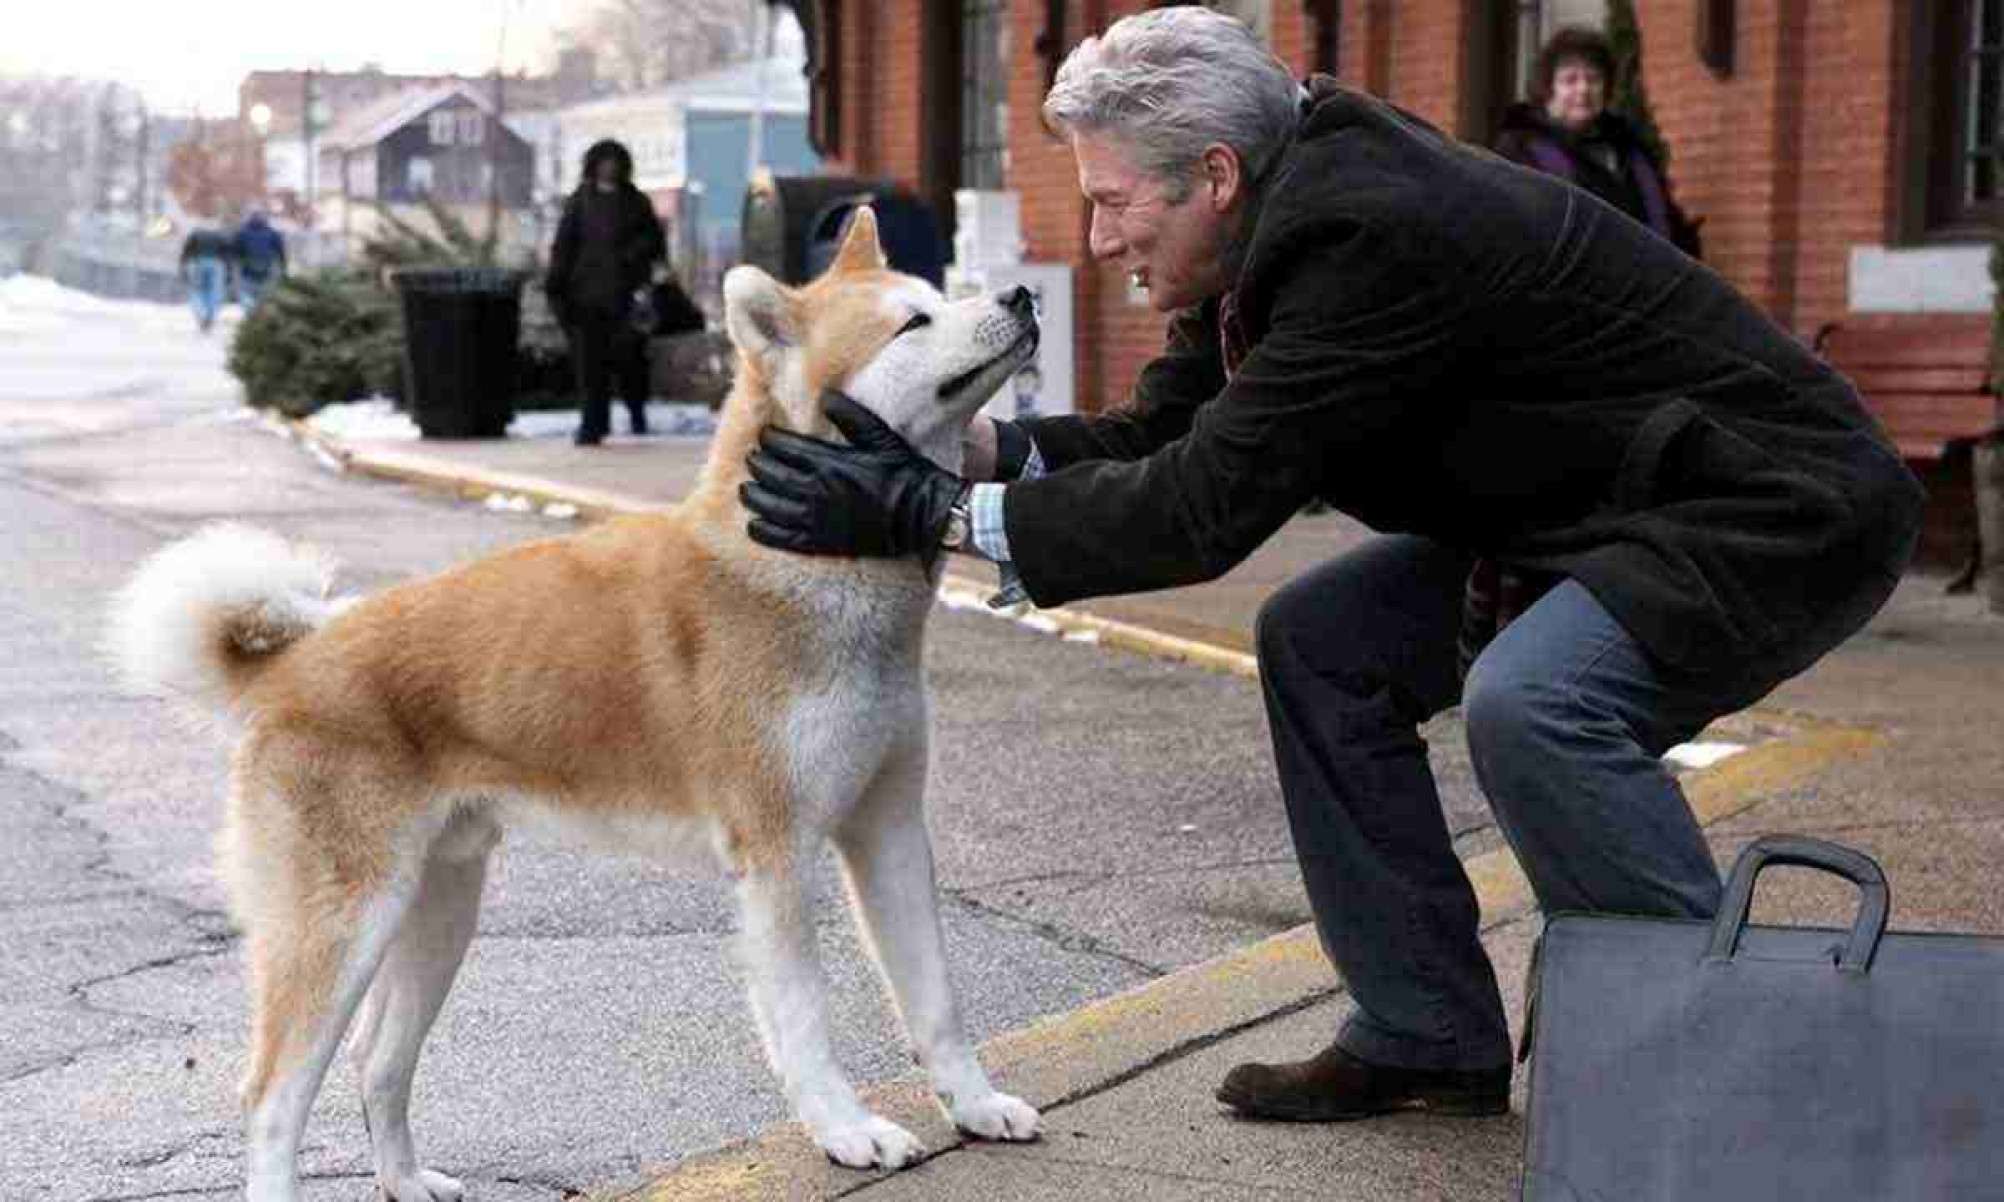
[(1020, 300)]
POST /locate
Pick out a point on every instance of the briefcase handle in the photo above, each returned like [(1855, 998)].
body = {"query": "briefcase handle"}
[(1804, 852)]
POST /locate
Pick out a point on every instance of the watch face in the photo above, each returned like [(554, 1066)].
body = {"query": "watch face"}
[(956, 531)]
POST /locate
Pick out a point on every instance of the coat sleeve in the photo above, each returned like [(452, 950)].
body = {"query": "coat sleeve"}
[(646, 243), (563, 260), (1188, 373), (1358, 335)]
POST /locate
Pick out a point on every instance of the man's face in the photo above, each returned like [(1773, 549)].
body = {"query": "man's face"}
[(1579, 91), (1174, 249), (606, 172)]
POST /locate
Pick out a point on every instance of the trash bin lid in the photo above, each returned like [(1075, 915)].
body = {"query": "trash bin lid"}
[(458, 279)]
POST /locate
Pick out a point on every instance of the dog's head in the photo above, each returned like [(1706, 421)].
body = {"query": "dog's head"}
[(919, 361)]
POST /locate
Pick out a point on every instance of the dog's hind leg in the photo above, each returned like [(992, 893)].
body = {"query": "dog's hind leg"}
[(788, 1002), (887, 861), (311, 958), (410, 987)]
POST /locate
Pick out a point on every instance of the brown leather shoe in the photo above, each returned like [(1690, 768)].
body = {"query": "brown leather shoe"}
[(1334, 1086)]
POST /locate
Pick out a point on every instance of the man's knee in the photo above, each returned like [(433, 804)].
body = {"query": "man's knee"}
[(1300, 626), (1511, 716)]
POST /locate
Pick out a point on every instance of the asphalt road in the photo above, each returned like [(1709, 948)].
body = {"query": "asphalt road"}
[(1100, 819)]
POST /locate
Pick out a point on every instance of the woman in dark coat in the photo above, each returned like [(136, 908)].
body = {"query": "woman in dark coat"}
[(607, 245), (1567, 130)]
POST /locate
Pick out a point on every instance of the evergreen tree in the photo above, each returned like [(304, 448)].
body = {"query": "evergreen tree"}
[(1627, 95)]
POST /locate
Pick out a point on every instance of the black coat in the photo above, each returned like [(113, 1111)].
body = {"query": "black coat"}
[(1608, 159), (606, 246), (1448, 344)]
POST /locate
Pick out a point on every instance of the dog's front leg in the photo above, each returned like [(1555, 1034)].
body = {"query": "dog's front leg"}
[(887, 859), (788, 1002)]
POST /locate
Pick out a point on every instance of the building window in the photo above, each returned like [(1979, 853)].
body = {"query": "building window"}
[(1499, 53), (472, 128), (441, 124), (1957, 140), (417, 176), (984, 93)]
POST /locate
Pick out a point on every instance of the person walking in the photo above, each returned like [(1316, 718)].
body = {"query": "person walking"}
[(606, 247), (260, 258), (1567, 130), (205, 272), (1506, 377)]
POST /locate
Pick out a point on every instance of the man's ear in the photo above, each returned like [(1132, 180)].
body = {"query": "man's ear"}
[(1224, 175), (758, 313)]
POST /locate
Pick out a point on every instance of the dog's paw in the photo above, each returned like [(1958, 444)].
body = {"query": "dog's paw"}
[(997, 1116), (422, 1186), (871, 1143)]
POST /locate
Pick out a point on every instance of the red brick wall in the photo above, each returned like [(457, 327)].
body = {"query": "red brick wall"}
[(1789, 159)]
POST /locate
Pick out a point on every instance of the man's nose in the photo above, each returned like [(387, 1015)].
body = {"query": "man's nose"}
[(1020, 301), (1100, 240)]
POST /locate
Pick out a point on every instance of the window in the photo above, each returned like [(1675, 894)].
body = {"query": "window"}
[(472, 127), (984, 93), (1955, 144), (441, 124), (417, 176), (1499, 51)]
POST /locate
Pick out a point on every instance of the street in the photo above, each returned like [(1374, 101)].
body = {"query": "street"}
[(1100, 819)]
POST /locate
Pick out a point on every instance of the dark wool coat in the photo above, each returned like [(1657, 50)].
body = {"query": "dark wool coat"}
[(1635, 183), (606, 246), (1444, 343)]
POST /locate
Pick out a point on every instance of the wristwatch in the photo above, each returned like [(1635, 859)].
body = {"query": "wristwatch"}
[(959, 522)]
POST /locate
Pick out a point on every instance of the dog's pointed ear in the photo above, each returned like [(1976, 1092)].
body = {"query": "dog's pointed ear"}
[(758, 313), (860, 249)]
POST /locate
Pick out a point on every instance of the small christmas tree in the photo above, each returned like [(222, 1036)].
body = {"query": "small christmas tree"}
[(1628, 97)]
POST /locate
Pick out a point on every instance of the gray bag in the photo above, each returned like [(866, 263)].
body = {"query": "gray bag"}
[(1685, 1059)]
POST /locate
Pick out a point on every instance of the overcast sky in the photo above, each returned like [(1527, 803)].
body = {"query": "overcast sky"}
[(188, 53)]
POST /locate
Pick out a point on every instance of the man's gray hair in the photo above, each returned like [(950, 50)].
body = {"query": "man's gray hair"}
[(1172, 81)]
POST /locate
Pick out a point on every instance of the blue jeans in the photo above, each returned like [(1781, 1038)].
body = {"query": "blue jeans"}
[(251, 289), (1567, 718), (206, 277)]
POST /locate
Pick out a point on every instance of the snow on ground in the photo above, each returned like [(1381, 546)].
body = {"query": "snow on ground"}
[(31, 304), (378, 420)]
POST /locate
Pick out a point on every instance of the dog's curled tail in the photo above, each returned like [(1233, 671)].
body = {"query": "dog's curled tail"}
[(203, 615)]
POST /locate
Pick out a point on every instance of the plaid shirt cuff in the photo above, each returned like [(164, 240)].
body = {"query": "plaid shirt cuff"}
[(990, 535)]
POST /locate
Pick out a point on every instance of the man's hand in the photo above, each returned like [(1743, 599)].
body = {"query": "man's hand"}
[(875, 497)]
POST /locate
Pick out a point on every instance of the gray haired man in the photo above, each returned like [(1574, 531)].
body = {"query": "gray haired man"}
[(1618, 502)]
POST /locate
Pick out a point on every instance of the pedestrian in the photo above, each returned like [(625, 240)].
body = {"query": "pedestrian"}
[(205, 272), (260, 257), (606, 248), (1488, 366), (1567, 130)]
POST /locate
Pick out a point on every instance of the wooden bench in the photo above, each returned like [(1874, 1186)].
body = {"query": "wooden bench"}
[(1926, 376)]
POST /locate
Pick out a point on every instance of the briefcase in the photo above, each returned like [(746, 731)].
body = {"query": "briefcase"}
[(1718, 1060)]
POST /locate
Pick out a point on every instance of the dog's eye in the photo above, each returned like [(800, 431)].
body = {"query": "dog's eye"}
[(919, 321)]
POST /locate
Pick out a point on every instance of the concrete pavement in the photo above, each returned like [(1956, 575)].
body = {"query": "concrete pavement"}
[(1892, 745)]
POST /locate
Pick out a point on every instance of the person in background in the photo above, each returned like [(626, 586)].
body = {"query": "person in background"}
[(1567, 130), (260, 257), (205, 271), (607, 245)]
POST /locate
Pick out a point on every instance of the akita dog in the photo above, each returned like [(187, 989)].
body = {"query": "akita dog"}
[(648, 678)]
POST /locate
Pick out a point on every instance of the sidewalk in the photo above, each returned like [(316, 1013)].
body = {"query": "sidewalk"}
[(1892, 745)]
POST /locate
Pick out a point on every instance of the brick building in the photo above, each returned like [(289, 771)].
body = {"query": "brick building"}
[(1837, 150)]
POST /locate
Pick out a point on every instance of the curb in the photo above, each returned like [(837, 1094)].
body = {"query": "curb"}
[(1072, 1056)]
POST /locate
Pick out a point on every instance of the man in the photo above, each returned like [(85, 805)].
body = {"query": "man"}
[(1544, 407), (260, 255), (606, 247), (205, 272)]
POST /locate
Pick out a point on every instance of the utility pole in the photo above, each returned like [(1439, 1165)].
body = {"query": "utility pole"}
[(312, 199), (139, 167)]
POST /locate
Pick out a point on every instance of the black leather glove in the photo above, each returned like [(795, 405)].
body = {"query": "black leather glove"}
[(875, 497)]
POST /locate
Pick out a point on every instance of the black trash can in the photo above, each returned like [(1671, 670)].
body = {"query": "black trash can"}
[(461, 325)]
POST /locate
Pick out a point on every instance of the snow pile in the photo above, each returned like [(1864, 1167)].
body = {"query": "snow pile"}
[(377, 420)]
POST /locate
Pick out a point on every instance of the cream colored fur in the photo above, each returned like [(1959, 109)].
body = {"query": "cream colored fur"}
[(658, 680)]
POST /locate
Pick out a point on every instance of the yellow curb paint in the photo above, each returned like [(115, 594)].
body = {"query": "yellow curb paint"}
[(1124, 635)]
